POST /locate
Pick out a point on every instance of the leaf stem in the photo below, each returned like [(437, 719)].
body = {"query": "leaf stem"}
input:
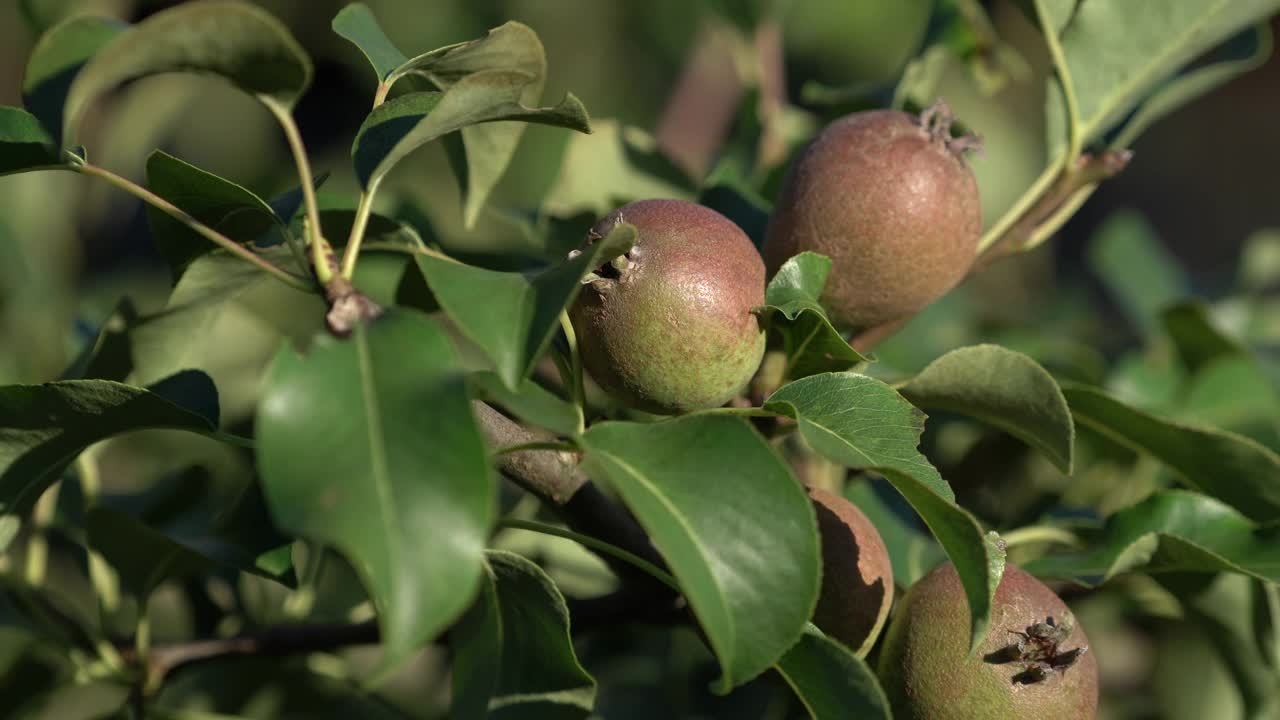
[(351, 253), (549, 445), (575, 365), (285, 117), (1074, 140), (200, 228), (1040, 533), (634, 560)]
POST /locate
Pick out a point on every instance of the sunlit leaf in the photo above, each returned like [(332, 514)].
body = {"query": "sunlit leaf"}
[(811, 344), (357, 24)]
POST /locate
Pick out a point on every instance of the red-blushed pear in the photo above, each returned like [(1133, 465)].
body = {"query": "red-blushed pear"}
[(670, 327), (1034, 663), (857, 576), (889, 198)]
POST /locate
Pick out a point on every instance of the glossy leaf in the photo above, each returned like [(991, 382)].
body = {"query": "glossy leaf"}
[(55, 61), (811, 343), (1118, 52), (511, 317), (234, 40), (1232, 468), (225, 206), (402, 125), (1002, 388), (369, 445), (531, 403), (864, 424), (357, 24), (1172, 531), (831, 681), (513, 654), (732, 523), (24, 144), (44, 427)]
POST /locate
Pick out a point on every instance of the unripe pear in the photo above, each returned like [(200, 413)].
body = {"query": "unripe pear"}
[(670, 327), (1033, 664), (889, 198), (857, 576)]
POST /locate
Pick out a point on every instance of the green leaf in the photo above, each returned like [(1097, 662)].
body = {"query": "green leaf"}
[(1002, 388), (531, 403), (108, 356), (141, 556), (1118, 52), (241, 43), (811, 343), (513, 655), (1234, 469), (864, 424), (1234, 393), (24, 144), (402, 125), (1245, 54), (735, 527), (1127, 241), (369, 445), (610, 167), (913, 552), (44, 427), (487, 148), (831, 681), (1194, 336), (511, 317), (1172, 531), (221, 204), (55, 61), (357, 24), (380, 230)]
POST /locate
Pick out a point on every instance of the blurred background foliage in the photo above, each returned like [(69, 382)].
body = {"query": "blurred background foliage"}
[(1193, 224)]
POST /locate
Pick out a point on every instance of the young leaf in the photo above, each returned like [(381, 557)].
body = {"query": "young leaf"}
[(513, 655), (1173, 531), (221, 204), (1234, 469), (735, 527), (369, 445), (530, 402), (864, 424), (56, 60), (241, 43), (402, 125), (1002, 388), (811, 343), (24, 144), (357, 24), (511, 317), (831, 681), (44, 427)]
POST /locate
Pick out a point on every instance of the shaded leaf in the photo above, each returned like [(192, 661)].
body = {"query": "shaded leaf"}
[(108, 355), (1171, 531), (745, 552), (864, 424), (402, 125), (1002, 388), (1194, 336), (225, 206), (913, 552), (1234, 469), (831, 681), (811, 343), (141, 556), (513, 655), (56, 60), (1127, 241), (357, 24), (531, 403), (511, 317), (369, 445), (24, 144), (44, 427), (241, 43)]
